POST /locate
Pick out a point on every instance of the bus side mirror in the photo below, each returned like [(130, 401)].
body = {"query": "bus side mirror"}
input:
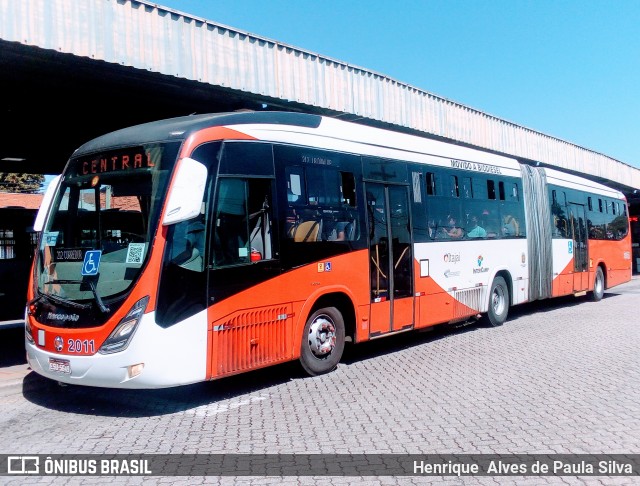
[(46, 203), (186, 193)]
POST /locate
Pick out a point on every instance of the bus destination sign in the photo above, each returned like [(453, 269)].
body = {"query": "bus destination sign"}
[(115, 162)]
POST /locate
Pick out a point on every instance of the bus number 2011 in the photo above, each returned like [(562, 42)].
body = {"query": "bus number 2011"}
[(78, 346)]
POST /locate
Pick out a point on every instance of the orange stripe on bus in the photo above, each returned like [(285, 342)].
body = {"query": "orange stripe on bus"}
[(210, 135)]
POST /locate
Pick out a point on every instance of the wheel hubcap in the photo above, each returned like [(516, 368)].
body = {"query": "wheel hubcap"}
[(322, 336), (497, 300), (598, 284)]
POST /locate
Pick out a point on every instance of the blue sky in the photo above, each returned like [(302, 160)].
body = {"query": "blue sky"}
[(567, 68)]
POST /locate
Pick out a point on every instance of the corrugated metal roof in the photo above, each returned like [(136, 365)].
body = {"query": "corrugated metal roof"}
[(147, 36)]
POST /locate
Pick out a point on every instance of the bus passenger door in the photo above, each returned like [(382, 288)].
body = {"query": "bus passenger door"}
[(390, 259), (578, 229)]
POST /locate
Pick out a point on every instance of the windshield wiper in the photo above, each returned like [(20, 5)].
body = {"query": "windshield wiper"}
[(101, 306), (66, 302), (92, 285)]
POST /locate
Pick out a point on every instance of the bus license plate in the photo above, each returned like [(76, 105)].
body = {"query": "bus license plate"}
[(60, 366)]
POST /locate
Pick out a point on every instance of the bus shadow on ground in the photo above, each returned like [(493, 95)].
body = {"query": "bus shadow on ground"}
[(406, 340), (109, 402), (550, 305), (144, 403)]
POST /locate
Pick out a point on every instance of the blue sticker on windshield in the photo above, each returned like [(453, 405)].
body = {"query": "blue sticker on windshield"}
[(570, 246), (91, 262)]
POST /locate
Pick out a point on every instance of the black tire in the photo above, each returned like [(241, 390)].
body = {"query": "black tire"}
[(498, 302), (598, 286), (322, 341)]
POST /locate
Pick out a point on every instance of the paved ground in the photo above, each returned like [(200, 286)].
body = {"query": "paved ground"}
[(559, 377)]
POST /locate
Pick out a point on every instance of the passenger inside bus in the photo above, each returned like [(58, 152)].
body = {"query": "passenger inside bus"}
[(510, 226), (475, 230), (341, 231), (452, 229), (345, 231), (559, 226)]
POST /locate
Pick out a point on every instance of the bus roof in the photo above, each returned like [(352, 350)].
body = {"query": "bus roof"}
[(272, 125), (180, 128), (576, 182)]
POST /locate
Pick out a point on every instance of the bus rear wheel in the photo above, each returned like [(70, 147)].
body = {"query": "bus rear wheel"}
[(598, 286), (322, 341), (498, 302)]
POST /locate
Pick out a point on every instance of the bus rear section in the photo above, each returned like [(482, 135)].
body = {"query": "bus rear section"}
[(590, 236)]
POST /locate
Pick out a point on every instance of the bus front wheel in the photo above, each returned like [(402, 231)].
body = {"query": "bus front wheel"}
[(322, 341), (498, 302)]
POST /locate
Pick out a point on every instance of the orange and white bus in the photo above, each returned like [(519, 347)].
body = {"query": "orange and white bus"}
[(200, 247)]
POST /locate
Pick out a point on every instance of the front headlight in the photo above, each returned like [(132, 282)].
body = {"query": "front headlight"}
[(119, 339)]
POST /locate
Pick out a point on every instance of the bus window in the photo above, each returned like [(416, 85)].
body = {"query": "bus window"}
[(474, 228), (491, 189), (348, 189), (618, 228), (467, 189), (259, 217), (296, 194), (323, 186), (319, 200), (597, 226), (430, 182), (501, 190), (513, 221), (477, 221), (444, 220), (514, 192), (242, 228), (188, 242), (251, 158), (455, 190)]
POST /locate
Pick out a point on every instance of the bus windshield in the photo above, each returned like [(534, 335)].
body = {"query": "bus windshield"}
[(99, 231)]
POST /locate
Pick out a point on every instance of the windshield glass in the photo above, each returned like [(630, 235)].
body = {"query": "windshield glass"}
[(101, 224)]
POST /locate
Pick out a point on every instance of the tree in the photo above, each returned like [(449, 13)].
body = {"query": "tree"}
[(22, 183)]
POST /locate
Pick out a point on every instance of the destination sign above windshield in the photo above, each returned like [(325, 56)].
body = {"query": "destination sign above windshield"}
[(119, 161)]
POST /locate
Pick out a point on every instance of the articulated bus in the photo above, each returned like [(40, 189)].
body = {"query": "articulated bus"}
[(205, 246)]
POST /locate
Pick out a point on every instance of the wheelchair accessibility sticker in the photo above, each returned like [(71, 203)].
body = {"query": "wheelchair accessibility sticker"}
[(324, 267), (91, 263), (570, 247)]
